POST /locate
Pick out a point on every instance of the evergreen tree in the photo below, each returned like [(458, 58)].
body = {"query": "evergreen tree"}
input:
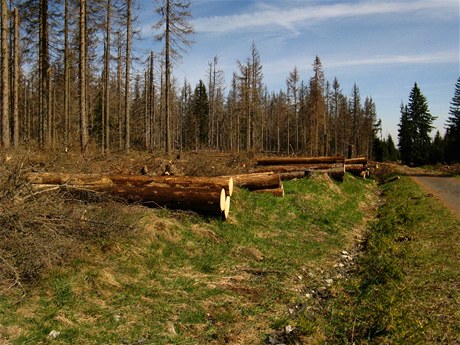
[(200, 109), (453, 127), (437, 149), (392, 152), (414, 129)]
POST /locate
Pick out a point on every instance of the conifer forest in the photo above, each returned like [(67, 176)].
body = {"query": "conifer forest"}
[(70, 80)]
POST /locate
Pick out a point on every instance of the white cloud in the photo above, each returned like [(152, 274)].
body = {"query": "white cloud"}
[(269, 16), (432, 58)]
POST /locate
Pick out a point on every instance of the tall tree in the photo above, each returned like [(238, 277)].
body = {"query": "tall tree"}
[(176, 29), (415, 127), (16, 77), (200, 110), (356, 113), (106, 97), (66, 75), (292, 92), (215, 92), (453, 127), (5, 77), (82, 78), (127, 76), (317, 110)]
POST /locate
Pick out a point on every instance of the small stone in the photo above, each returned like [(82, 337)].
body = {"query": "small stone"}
[(300, 277), (344, 252), (291, 311), (288, 329), (54, 334), (308, 295)]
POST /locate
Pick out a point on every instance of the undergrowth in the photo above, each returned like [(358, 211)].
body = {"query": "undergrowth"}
[(41, 230)]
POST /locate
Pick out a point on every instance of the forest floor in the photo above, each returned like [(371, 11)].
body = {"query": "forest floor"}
[(76, 271)]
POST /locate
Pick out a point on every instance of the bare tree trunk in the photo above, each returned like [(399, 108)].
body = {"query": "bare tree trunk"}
[(167, 79), (83, 114), (5, 78), (16, 80), (119, 92), (127, 75), (152, 103), (106, 114), (66, 76)]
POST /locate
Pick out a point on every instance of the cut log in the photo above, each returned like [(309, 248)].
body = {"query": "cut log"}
[(291, 175), (355, 169), (299, 160), (256, 181), (226, 210), (133, 180), (357, 160), (336, 173), (208, 201), (273, 191)]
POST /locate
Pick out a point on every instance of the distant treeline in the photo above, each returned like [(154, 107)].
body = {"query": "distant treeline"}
[(67, 81)]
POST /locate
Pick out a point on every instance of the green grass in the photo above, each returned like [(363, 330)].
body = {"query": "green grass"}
[(406, 288), (184, 279)]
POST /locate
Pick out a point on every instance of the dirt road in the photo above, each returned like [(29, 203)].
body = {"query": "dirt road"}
[(445, 189)]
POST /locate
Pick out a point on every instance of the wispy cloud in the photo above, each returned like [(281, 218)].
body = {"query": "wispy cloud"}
[(432, 58), (269, 16)]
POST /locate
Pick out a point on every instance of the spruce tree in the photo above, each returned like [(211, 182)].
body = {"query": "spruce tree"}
[(200, 109), (453, 127), (414, 129)]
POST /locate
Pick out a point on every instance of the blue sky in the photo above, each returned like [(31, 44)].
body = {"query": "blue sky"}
[(382, 46)]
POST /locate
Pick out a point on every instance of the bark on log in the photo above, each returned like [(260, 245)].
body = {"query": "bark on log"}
[(336, 173), (273, 191), (133, 180), (299, 160), (355, 169), (357, 160), (291, 175), (297, 167), (256, 181), (209, 201)]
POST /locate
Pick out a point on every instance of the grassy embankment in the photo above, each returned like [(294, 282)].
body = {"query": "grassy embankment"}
[(146, 276), (174, 277), (407, 287)]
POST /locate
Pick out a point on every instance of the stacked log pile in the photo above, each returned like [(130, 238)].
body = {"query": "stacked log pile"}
[(207, 195), (297, 167)]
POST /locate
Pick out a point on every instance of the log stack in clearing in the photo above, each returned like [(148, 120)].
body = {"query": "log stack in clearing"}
[(297, 167), (202, 194), (208, 195)]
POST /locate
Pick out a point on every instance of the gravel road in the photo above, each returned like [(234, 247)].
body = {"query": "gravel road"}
[(445, 189)]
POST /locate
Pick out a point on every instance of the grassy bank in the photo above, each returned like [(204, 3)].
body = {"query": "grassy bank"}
[(406, 287), (178, 278)]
